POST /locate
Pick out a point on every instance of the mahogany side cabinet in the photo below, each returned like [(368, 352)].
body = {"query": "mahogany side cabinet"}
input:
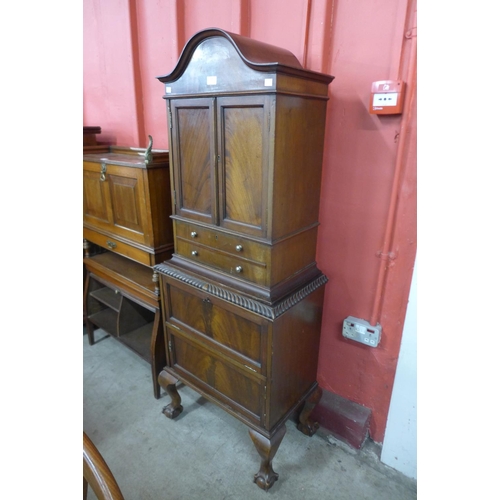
[(242, 295)]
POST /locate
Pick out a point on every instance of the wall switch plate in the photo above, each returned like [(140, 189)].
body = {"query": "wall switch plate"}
[(360, 330)]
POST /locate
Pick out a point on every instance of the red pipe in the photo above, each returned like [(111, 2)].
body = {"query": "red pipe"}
[(387, 253)]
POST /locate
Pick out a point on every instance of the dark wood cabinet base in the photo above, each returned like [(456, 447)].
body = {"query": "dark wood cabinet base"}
[(266, 447)]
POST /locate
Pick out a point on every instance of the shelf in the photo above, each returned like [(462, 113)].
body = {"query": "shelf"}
[(124, 272), (105, 319), (108, 297), (139, 340)]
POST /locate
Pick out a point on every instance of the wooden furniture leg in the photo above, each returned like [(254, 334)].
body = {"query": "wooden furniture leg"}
[(90, 326), (267, 448), (168, 382), (158, 354), (305, 425)]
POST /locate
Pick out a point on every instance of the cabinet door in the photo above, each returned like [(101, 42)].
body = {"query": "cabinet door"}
[(193, 148), (243, 147)]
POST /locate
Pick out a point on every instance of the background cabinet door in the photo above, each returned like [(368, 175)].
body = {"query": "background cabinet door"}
[(194, 157), (243, 131)]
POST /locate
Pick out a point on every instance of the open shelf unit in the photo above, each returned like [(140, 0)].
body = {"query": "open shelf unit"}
[(120, 298)]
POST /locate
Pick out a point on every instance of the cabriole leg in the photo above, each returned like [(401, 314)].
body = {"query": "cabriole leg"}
[(305, 425), (168, 382), (266, 448)]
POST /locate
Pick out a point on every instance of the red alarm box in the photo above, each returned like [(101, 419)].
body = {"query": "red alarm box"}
[(387, 97)]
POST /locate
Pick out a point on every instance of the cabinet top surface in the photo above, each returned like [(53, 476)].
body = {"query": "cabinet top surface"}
[(126, 156), (214, 51)]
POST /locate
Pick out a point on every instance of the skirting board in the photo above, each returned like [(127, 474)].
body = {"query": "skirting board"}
[(345, 420)]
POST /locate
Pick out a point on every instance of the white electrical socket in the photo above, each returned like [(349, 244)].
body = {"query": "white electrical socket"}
[(361, 331)]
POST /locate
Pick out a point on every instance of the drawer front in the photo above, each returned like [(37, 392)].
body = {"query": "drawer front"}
[(223, 380), (118, 247), (233, 245), (218, 326), (226, 263)]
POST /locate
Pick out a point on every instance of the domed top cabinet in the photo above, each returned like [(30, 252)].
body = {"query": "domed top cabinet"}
[(246, 126), (242, 295)]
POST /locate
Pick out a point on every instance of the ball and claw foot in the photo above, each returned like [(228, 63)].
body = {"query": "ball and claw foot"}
[(309, 429), (265, 481), (266, 448), (170, 412)]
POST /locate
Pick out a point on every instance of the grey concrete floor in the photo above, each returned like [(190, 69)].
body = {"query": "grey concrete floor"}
[(205, 453)]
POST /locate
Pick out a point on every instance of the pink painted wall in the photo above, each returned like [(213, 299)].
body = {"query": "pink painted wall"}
[(127, 43)]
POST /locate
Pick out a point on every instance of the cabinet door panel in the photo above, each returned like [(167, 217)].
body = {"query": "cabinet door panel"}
[(126, 198), (95, 209), (127, 194), (193, 149), (243, 123)]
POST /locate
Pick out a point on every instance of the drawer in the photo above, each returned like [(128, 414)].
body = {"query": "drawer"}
[(218, 326), (214, 375), (118, 247), (230, 244), (236, 266)]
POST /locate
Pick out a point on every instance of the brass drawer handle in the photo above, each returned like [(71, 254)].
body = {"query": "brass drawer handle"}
[(239, 269), (194, 234), (239, 248), (111, 244), (194, 253)]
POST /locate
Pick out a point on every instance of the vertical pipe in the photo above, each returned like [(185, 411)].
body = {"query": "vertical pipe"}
[(136, 68), (241, 17), (306, 34), (386, 254)]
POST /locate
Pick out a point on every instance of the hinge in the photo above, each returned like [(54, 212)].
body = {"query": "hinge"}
[(169, 117), (175, 199), (170, 345)]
